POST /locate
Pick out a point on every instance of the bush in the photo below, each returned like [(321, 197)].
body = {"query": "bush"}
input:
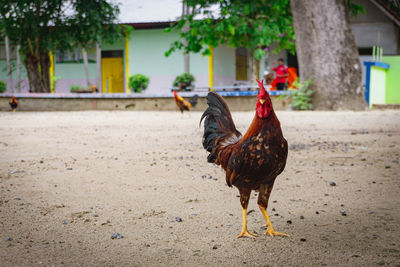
[(138, 82), (53, 81), (184, 79), (76, 88), (302, 97), (3, 87)]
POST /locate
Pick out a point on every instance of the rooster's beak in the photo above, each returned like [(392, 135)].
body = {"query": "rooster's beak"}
[(262, 101)]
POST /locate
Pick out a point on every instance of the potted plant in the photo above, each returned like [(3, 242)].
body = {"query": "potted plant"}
[(83, 90), (300, 98), (2, 87), (138, 82), (78, 89), (184, 81)]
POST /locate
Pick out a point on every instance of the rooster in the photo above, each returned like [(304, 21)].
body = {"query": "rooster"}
[(183, 104), (13, 104), (252, 161)]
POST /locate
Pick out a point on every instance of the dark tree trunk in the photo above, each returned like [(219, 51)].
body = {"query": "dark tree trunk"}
[(45, 70), (327, 53), (38, 73), (32, 69)]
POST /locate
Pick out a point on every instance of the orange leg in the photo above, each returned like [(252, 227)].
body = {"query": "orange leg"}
[(270, 230), (245, 232)]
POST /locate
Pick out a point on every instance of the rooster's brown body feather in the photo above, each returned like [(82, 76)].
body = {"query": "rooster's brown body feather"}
[(256, 158), (252, 161)]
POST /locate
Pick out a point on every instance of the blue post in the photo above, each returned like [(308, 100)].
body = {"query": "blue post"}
[(367, 79), (368, 65)]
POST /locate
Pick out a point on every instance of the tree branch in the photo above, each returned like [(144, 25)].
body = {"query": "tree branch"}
[(30, 45)]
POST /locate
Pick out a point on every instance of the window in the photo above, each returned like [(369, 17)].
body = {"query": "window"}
[(111, 53), (75, 56), (365, 51)]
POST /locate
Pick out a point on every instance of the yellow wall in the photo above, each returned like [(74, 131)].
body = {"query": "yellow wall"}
[(211, 68)]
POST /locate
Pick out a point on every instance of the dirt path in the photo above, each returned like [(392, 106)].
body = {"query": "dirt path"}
[(69, 181)]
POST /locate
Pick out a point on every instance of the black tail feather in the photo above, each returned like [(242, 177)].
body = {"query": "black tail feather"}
[(193, 100), (218, 125)]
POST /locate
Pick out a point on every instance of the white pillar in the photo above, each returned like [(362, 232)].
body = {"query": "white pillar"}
[(18, 69), (98, 67), (86, 64), (9, 70), (185, 28)]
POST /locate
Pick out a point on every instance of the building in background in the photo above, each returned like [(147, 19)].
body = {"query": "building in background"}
[(143, 51)]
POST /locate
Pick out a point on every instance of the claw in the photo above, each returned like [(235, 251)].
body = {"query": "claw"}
[(272, 232), (247, 234)]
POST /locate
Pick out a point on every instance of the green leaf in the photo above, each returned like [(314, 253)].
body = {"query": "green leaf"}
[(138, 82), (240, 23), (231, 29)]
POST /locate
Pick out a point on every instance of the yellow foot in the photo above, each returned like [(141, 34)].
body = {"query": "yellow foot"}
[(271, 232), (247, 234)]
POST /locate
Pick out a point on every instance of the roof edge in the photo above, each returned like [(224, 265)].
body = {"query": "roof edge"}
[(388, 12), (150, 25)]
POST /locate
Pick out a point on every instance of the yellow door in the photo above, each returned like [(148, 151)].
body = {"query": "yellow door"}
[(241, 68), (112, 72)]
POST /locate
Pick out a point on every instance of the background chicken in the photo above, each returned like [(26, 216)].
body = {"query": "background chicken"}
[(13, 104), (183, 104), (252, 161)]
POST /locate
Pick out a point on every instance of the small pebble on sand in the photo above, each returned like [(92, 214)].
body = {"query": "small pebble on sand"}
[(117, 236)]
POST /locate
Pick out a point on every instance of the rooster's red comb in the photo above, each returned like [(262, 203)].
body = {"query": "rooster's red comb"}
[(263, 93)]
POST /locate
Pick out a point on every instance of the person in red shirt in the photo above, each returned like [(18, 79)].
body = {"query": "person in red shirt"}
[(281, 74)]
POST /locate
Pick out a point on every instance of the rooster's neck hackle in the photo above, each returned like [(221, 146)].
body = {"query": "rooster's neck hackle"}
[(257, 124)]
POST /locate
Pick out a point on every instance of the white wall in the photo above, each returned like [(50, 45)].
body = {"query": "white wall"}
[(380, 34), (375, 28)]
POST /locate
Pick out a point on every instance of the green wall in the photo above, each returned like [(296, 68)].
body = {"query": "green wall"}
[(147, 48), (63, 70), (119, 45), (74, 70), (224, 61), (392, 79), (77, 70), (3, 70), (198, 64)]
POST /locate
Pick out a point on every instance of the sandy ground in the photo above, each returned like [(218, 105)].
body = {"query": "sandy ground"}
[(69, 181)]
